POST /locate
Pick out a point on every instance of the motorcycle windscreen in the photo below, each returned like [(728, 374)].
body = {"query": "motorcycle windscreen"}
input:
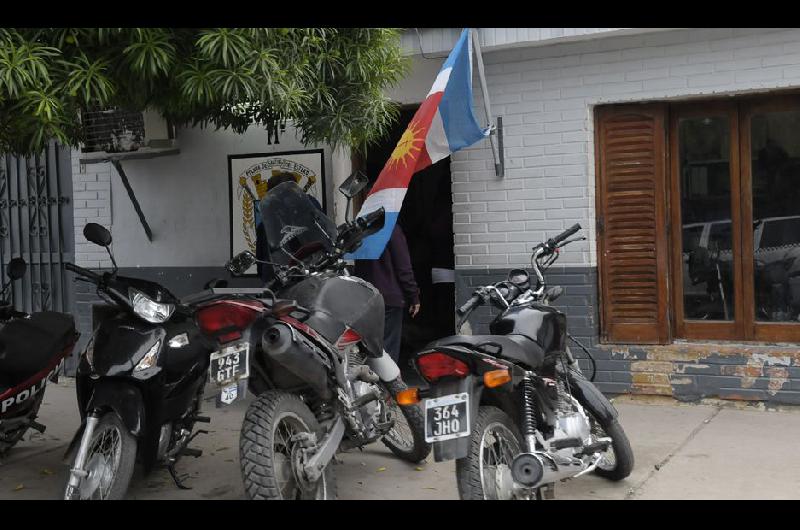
[(296, 230)]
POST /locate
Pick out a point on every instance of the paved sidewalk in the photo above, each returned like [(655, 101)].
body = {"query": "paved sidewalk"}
[(682, 451)]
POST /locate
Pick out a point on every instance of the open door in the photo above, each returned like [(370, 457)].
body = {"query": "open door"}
[(427, 222)]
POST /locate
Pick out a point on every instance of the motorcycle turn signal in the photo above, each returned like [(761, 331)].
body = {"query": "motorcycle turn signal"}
[(495, 378), (409, 396)]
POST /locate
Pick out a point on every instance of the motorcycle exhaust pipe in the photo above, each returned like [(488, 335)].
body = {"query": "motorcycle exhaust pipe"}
[(537, 468), (282, 346)]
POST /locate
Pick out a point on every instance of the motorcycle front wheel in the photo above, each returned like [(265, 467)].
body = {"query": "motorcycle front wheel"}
[(617, 461), (407, 437), (267, 450), (109, 462)]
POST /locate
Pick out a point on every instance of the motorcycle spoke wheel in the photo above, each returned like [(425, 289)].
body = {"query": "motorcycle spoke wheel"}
[(102, 464), (400, 434), (498, 449), (284, 452), (608, 459)]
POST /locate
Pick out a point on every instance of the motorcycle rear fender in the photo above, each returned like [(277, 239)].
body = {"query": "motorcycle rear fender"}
[(457, 447), (591, 398)]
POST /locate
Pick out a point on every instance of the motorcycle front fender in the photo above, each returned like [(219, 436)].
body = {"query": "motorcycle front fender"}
[(457, 447), (591, 398), (123, 399)]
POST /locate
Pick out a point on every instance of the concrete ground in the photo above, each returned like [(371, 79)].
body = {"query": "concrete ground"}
[(683, 451)]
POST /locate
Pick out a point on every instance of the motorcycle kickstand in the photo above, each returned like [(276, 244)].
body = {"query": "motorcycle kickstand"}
[(178, 481)]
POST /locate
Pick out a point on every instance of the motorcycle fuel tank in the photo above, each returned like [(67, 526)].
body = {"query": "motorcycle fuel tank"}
[(340, 302), (543, 324)]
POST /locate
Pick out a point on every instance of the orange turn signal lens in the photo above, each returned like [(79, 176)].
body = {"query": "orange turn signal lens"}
[(496, 378), (409, 396)]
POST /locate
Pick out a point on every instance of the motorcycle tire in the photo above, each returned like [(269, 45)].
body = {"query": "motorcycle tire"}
[(261, 466), (469, 469), (412, 414), (121, 476), (623, 454)]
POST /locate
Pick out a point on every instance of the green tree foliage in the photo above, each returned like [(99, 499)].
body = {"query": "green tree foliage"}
[(329, 81)]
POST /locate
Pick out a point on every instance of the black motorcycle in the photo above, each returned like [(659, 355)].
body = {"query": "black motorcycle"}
[(139, 383), (314, 357), (513, 407), (32, 351)]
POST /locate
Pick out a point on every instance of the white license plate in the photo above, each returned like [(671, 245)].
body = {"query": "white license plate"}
[(447, 417), (230, 364)]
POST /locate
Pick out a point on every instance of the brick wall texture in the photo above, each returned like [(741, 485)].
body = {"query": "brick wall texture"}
[(546, 97)]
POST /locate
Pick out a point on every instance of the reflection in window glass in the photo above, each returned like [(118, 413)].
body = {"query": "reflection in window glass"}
[(720, 237), (775, 159), (779, 232), (704, 155)]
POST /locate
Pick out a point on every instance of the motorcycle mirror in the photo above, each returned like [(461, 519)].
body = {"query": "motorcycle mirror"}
[(97, 234), (16, 268), (239, 264), (353, 184)]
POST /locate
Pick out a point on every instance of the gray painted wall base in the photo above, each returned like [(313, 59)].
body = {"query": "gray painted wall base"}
[(686, 371)]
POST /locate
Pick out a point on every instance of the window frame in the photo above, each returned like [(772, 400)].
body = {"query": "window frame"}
[(755, 330), (739, 110), (700, 329)]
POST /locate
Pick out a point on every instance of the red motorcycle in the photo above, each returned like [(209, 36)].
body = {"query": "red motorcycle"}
[(32, 350)]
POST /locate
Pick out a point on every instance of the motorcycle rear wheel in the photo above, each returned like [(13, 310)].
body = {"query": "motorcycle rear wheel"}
[(407, 438), (266, 449), (485, 473)]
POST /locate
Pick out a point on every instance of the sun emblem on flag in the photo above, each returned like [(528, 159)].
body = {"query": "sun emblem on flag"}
[(409, 146)]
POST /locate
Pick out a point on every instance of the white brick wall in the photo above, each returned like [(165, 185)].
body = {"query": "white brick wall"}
[(91, 202), (546, 96)]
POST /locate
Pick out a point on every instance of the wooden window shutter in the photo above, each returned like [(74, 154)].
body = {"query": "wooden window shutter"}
[(632, 223)]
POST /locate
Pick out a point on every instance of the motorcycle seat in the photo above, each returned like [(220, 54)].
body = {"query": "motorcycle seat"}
[(516, 348), (27, 345)]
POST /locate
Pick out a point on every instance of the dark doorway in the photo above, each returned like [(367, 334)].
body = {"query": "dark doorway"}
[(427, 222)]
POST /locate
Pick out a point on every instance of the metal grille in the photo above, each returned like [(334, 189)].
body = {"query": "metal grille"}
[(36, 224), (113, 130)]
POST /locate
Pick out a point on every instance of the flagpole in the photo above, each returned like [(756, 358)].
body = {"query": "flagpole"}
[(498, 157)]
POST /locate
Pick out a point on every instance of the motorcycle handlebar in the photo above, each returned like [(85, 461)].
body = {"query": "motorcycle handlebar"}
[(469, 305), (565, 234), (83, 272), (373, 221)]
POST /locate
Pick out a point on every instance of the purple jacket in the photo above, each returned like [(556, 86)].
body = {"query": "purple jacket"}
[(392, 274)]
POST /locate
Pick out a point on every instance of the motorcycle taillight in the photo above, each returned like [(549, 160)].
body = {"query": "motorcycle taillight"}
[(348, 338), (225, 320), (435, 365)]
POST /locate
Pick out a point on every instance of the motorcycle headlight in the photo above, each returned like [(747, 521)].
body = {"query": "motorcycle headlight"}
[(151, 311)]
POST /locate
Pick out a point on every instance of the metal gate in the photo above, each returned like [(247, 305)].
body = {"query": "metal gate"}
[(36, 224)]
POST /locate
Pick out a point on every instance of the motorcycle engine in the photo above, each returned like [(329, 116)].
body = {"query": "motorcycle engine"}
[(364, 382), (571, 420)]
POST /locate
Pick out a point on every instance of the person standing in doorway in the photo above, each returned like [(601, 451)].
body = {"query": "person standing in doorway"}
[(393, 277)]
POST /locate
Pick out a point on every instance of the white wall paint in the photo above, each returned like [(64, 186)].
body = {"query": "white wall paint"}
[(546, 95), (185, 199)]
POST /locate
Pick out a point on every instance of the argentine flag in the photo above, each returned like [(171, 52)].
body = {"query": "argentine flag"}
[(442, 125)]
